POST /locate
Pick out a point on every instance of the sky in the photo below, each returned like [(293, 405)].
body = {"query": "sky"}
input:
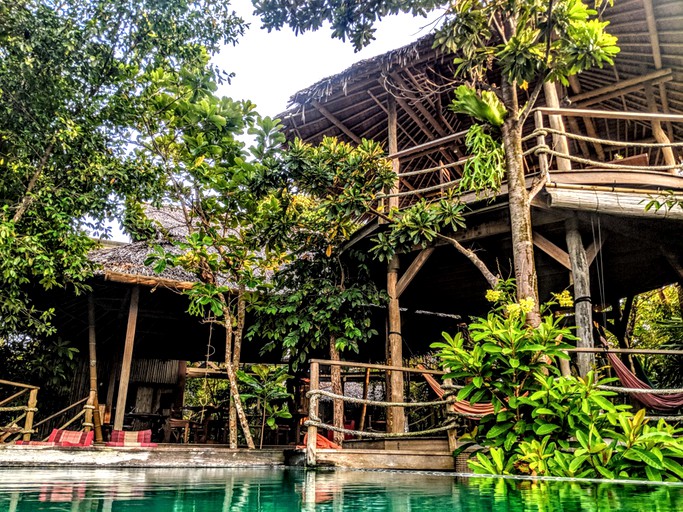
[(271, 67)]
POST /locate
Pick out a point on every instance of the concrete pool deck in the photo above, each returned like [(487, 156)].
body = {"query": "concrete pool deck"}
[(425, 455), (170, 455)]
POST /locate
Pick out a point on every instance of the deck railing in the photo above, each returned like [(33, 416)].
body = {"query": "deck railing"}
[(553, 143), (315, 393), (27, 410)]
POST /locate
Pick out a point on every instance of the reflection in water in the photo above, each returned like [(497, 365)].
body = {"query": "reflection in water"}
[(266, 490)]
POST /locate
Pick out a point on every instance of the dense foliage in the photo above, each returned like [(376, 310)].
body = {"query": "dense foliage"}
[(545, 424), (71, 81)]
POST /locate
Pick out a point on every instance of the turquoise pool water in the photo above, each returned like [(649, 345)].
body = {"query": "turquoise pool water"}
[(228, 490)]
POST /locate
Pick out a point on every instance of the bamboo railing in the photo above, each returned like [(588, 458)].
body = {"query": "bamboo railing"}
[(28, 410)]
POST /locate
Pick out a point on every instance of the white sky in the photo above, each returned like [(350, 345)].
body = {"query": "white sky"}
[(271, 67)]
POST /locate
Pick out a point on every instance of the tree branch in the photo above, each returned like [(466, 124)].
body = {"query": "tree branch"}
[(490, 277), (27, 199)]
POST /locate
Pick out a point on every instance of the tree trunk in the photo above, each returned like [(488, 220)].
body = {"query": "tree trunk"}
[(337, 389), (519, 207), (236, 355), (232, 379)]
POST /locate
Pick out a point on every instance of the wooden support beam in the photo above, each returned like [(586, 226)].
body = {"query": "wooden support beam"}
[(413, 269), (423, 110), (552, 250), (416, 119), (381, 105), (657, 57), (333, 119), (619, 88), (312, 433), (556, 123), (127, 359), (395, 415), (582, 295), (657, 131)]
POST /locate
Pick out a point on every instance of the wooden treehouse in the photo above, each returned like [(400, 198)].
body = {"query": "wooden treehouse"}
[(596, 153)]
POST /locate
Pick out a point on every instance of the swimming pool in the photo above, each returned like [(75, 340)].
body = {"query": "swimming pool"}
[(284, 490)]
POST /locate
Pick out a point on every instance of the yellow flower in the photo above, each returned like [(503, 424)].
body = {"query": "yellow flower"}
[(564, 299), (527, 305), (513, 309), (493, 295)]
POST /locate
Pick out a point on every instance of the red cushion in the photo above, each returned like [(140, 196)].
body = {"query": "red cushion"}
[(127, 437)]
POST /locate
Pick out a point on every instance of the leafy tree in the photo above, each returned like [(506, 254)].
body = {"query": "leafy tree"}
[(322, 297), (522, 41), (71, 76), (267, 385), (191, 138)]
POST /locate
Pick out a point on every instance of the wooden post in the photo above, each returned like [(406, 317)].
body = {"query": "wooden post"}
[(364, 408), (540, 141), (30, 412), (93, 415), (127, 359), (559, 141), (582, 295), (313, 416), (338, 389), (392, 147), (452, 434), (395, 415), (657, 130)]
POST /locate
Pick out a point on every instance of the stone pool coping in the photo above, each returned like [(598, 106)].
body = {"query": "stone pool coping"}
[(160, 456)]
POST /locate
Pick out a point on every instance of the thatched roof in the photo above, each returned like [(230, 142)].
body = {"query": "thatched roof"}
[(126, 262), (400, 57), (352, 104)]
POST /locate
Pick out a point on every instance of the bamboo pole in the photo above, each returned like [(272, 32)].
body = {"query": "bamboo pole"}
[(313, 415), (364, 408), (30, 412), (15, 395), (127, 359), (93, 415), (337, 388), (395, 415)]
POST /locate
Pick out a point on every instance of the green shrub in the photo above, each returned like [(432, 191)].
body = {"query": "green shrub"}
[(543, 423)]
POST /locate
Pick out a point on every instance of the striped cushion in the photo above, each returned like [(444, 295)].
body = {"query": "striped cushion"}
[(141, 438), (59, 437)]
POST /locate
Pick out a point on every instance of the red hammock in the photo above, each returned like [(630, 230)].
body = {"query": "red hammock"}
[(669, 402), (460, 406)]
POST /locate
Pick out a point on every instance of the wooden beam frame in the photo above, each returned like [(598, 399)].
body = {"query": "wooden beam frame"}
[(413, 269), (657, 57), (127, 359), (552, 250), (335, 121), (620, 88)]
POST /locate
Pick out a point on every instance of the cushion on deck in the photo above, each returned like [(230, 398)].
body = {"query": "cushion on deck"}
[(141, 438), (59, 437)]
